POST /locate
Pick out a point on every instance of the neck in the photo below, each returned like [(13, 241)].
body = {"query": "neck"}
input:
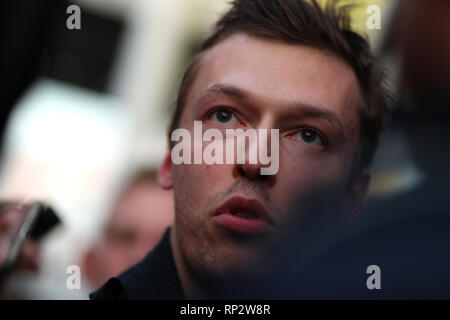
[(191, 287)]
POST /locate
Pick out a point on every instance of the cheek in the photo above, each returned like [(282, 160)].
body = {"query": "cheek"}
[(194, 184), (302, 175), (198, 176)]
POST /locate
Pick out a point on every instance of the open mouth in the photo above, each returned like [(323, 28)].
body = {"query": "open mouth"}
[(246, 216)]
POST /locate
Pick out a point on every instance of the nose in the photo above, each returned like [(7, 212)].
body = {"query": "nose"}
[(252, 172), (259, 160)]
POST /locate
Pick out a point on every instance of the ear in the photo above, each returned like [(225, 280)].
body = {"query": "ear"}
[(357, 193), (165, 175)]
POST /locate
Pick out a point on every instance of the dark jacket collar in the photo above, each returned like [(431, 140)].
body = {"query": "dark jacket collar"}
[(153, 278)]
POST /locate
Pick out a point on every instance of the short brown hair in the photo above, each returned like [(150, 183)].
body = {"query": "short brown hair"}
[(306, 23)]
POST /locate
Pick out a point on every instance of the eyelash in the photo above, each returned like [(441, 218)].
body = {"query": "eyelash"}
[(234, 112), (322, 136)]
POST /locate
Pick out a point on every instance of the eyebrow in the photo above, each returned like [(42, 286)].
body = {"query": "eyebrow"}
[(319, 112), (306, 110), (227, 90)]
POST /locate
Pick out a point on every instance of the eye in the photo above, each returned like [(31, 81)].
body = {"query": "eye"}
[(224, 116), (309, 136)]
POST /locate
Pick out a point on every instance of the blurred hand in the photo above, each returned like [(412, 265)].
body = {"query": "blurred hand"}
[(11, 217)]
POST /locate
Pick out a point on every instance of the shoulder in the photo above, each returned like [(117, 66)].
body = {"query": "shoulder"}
[(111, 290), (153, 278)]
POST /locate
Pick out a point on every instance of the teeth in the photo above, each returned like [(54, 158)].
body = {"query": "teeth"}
[(244, 215)]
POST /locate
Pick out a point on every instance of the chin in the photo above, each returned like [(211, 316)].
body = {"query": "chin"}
[(227, 264)]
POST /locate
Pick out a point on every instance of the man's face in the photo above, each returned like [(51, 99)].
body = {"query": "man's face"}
[(247, 82)]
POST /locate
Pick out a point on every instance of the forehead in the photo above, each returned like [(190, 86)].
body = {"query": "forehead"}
[(279, 73)]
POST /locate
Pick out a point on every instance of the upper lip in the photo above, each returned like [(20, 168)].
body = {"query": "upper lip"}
[(247, 205)]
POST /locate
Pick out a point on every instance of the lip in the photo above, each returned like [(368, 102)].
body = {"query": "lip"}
[(261, 224)]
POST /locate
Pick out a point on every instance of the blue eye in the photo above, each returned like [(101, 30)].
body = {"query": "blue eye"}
[(309, 136), (224, 116)]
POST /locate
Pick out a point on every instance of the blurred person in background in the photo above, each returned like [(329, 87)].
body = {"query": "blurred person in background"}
[(138, 219)]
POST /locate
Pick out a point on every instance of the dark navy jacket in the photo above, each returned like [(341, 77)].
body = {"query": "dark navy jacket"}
[(153, 278)]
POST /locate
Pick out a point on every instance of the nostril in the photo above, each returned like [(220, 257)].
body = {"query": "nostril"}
[(251, 172), (242, 172)]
